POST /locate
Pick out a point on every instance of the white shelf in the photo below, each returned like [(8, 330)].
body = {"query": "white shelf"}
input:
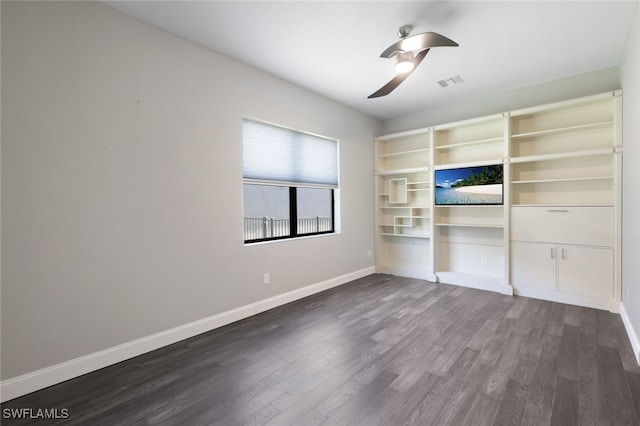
[(408, 217), (468, 206), (402, 171), (469, 164), (469, 143), (403, 153), (550, 132), (387, 234), (403, 207), (563, 205), (563, 180), (561, 155), (471, 225)]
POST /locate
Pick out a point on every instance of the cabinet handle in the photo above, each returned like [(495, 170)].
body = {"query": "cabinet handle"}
[(562, 254), (552, 252), (557, 211)]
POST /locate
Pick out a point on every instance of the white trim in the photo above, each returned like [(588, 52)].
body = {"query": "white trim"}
[(507, 290), (423, 130), (567, 103), (30, 382), (610, 305), (470, 121), (479, 282), (408, 272), (634, 338)]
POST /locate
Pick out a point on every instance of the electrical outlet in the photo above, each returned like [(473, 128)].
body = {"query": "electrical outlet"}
[(369, 253), (266, 278), (484, 260)]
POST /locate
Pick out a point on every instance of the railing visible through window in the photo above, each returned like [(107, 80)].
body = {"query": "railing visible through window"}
[(259, 228)]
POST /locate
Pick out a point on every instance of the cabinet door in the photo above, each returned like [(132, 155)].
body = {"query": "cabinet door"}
[(592, 226), (587, 271), (533, 265)]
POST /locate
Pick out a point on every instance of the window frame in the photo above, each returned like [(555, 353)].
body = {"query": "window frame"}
[(293, 187), (293, 217)]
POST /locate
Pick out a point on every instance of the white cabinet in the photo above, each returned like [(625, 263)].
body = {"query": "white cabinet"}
[(586, 271), (564, 254), (591, 226), (534, 265), (572, 273)]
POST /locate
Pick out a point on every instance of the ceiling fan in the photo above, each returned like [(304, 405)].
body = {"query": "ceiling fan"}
[(409, 52)]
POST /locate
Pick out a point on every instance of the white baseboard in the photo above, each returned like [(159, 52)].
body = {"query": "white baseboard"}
[(419, 274), (473, 281), (634, 338), (40, 379), (569, 299)]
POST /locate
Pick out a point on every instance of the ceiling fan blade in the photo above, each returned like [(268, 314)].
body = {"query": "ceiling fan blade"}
[(388, 88), (418, 42), (395, 81)]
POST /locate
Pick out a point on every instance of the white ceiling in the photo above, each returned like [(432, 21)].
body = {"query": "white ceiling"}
[(333, 48)]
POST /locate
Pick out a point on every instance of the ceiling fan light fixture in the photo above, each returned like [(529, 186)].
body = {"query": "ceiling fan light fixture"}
[(403, 67), (405, 63)]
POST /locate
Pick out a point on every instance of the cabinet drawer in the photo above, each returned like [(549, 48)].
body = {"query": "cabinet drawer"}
[(569, 225)]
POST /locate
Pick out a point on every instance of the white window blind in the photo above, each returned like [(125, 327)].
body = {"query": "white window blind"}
[(280, 155)]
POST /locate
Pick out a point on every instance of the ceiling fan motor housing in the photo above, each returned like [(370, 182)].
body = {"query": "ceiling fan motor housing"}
[(404, 31)]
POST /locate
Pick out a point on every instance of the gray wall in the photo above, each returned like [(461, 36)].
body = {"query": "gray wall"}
[(629, 74), (122, 183)]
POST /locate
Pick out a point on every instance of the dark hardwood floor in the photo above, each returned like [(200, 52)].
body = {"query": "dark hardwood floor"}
[(381, 350)]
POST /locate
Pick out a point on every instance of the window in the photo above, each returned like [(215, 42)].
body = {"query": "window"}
[(290, 182)]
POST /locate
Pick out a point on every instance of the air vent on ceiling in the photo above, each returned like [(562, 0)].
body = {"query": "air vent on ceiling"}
[(451, 81)]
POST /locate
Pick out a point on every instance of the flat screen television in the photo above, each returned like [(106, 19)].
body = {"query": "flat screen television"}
[(469, 186)]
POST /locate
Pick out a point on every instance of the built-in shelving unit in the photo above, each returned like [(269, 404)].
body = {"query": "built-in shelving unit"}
[(561, 182), (565, 180), (403, 204), (469, 240)]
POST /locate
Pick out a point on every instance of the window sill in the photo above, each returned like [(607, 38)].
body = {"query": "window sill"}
[(282, 240)]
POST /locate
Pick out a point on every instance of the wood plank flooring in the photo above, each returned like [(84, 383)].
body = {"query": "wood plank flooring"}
[(381, 350)]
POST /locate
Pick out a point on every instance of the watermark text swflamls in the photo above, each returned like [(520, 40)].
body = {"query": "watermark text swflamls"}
[(35, 413)]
